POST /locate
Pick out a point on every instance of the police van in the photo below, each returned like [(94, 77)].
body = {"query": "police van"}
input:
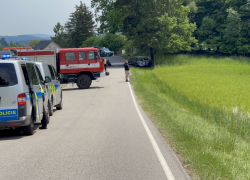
[(23, 97), (53, 87)]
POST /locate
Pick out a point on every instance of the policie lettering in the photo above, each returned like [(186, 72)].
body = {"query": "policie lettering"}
[(8, 114), (5, 113)]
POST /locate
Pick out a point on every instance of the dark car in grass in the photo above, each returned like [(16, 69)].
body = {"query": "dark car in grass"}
[(141, 61)]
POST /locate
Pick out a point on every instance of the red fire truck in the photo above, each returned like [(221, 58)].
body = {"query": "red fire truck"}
[(76, 65)]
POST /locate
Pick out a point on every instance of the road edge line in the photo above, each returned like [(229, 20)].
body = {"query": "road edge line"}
[(161, 158)]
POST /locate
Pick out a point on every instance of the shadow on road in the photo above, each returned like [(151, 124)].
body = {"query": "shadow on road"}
[(9, 134), (115, 66), (77, 89), (122, 82)]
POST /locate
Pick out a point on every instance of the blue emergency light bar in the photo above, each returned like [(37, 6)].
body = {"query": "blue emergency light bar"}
[(6, 56)]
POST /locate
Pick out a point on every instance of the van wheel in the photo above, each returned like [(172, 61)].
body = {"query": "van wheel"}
[(46, 117), (50, 108), (60, 106), (29, 130), (84, 81)]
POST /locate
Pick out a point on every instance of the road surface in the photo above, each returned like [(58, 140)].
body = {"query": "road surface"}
[(99, 134)]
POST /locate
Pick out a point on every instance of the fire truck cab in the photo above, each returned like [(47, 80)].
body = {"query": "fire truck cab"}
[(80, 66), (73, 65)]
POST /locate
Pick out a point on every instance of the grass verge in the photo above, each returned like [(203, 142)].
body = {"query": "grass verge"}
[(212, 143)]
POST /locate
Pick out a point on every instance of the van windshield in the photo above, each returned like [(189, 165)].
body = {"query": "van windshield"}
[(7, 75)]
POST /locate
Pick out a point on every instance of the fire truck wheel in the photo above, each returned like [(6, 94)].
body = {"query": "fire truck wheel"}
[(84, 81)]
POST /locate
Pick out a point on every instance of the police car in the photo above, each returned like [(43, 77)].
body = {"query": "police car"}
[(53, 87), (23, 98)]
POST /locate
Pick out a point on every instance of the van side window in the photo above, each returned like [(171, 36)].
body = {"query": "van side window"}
[(7, 75), (32, 74), (92, 55), (25, 74), (39, 75), (54, 71), (51, 72), (70, 56), (82, 55)]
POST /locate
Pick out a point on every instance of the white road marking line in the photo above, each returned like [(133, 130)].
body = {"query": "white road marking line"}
[(153, 142)]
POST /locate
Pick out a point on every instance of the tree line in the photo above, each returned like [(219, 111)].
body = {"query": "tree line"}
[(172, 26), (152, 26), (160, 26), (222, 26)]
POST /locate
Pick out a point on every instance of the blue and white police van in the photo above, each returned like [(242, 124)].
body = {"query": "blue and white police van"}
[(23, 96), (53, 87)]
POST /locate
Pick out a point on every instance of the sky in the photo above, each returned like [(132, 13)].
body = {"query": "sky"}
[(20, 17)]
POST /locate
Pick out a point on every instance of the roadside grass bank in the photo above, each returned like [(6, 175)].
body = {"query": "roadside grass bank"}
[(212, 139)]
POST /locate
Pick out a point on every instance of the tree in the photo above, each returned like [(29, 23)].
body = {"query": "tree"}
[(33, 43), (14, 44), (80, 25), (232, 33), (175, 34), (244, 12), (3, 42), (107, 23), (1, 47), (92, 41), (214, 18), (60, 36), (112, 41), (207, 35), (151, 25)]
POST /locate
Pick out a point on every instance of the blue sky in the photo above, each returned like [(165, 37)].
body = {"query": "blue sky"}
[(20, 17)]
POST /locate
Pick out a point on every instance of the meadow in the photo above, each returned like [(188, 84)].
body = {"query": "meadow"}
[(200, 105), (214, 83)]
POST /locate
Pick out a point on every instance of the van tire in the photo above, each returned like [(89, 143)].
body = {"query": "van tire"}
[(29, 130), (83, 81), (50, 108), (60, 106), (46, 117)]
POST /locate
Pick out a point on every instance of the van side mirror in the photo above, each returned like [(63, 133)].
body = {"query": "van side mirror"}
[(47, 79)]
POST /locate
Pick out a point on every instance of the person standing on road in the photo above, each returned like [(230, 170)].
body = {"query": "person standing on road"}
[(105, 64), (126, 67)]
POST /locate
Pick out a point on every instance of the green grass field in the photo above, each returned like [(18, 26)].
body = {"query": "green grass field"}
[(213, 83), (197, 103)]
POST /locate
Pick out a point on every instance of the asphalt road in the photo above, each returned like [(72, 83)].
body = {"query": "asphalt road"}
[(99, 134), (116, 60)]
